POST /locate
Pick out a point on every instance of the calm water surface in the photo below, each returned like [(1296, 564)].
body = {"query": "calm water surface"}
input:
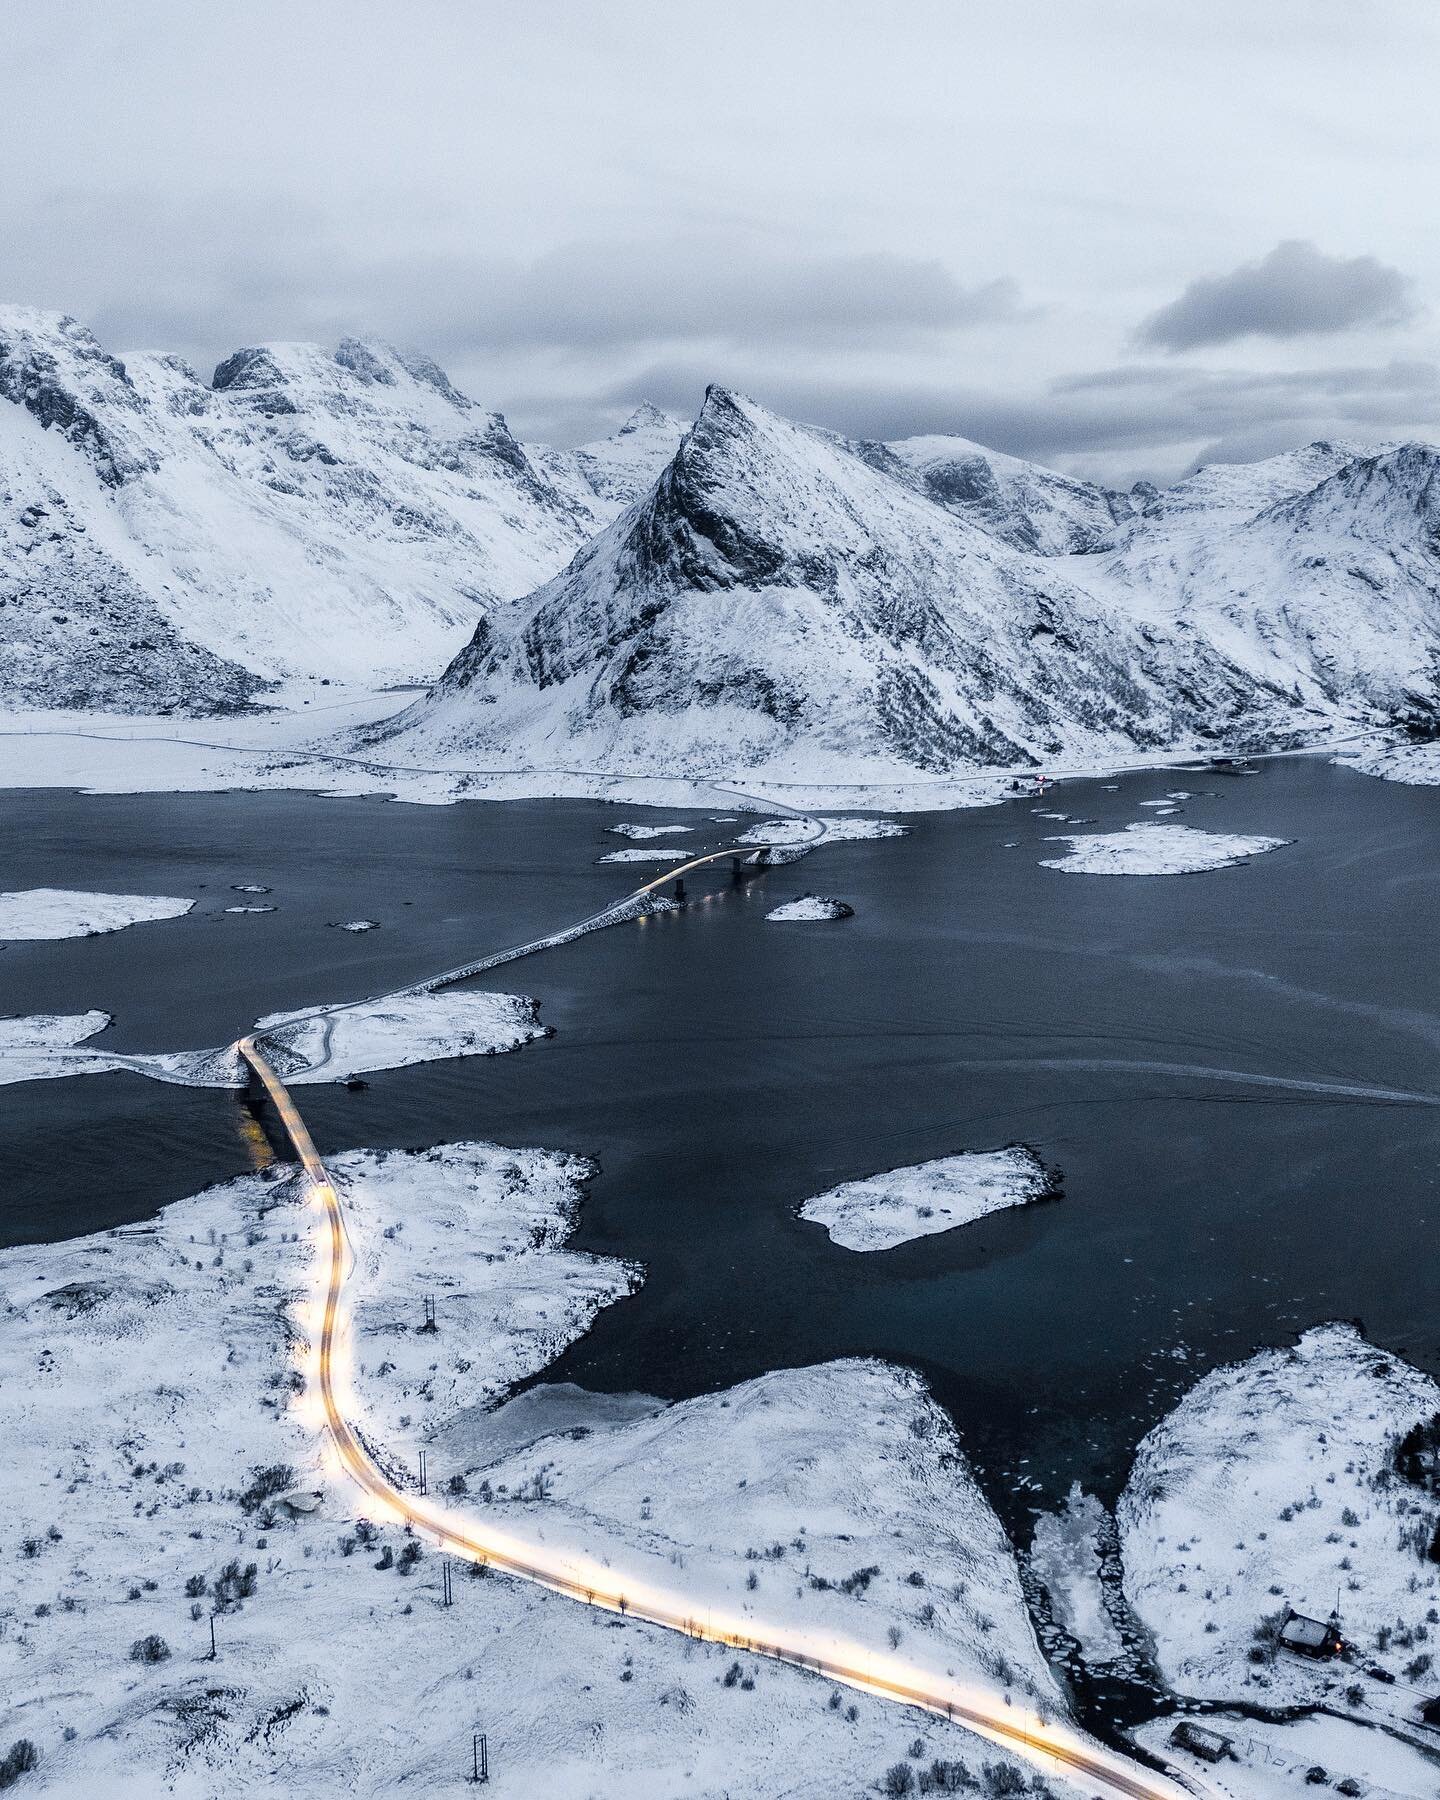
[(1238, 1072)]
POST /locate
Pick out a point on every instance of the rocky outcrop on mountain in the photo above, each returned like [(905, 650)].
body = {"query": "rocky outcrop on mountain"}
[(53, 368), (347, 515), (780, 604), (78, 631), (1021, 503)]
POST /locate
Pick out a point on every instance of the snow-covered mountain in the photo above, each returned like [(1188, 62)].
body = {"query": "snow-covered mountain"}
[(605, 477), (779, 603), (1330, 591), (789, 603), (747, 594), (168, 542), (1023, 504)]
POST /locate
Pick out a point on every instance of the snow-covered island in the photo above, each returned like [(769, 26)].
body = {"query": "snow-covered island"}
[(657, 854), (41, 913), (810, 907), (314, 1044), (1304, 1479), (836, 830), (328, 1043), (36, 1045), (630, 829), (177, 1475), (880, 1211), (1145, 849)]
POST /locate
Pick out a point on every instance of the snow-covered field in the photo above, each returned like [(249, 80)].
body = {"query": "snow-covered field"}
[(1144, 849), (35, 913), (295, 746), (1274, 1484), (809, 908), (1273, 1760), (154, 1381), (881, 1211)]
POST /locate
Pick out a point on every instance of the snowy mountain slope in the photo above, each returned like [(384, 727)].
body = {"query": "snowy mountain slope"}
[(1023, 504), (1240, 490), (83, 621), (347, 515), (777, 603), (1330, 593), (605, 477)]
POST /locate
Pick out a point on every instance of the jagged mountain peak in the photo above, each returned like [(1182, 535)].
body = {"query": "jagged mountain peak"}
[(649, 417), (55, 368), (1393, 494), (778, 602), (345, 513), (1240, 490), (373, 359), (362, 378), (605, 476)]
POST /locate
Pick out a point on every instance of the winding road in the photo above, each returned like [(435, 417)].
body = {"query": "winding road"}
[(1051, 1745)]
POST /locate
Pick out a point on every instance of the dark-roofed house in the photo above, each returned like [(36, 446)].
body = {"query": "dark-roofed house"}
[(1210, 1746), (1310, 1637)]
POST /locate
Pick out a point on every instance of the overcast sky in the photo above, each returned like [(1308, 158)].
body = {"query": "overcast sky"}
[(1116, 235)]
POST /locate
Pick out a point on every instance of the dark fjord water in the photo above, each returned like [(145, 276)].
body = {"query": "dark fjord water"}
[(1215, 1061)]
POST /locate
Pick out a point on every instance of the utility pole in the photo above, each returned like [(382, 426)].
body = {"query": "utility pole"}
[(480, 1758), (211, 1656), (429, 1304), (423, 1488), (447, 1589)]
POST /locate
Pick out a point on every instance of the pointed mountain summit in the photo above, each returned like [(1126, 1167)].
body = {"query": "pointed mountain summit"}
[(777, 603)]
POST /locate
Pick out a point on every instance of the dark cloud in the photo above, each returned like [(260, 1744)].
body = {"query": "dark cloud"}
[(1115, 424), (1295, 291), (237, 271)]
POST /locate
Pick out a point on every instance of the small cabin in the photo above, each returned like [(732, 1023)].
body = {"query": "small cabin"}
[(1310, 1637), (1430, 1711), (1209, 1746)]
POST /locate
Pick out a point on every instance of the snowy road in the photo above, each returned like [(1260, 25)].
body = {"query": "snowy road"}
[(1053, 1747)]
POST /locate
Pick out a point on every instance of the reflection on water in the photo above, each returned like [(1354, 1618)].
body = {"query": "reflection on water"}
[(259, 1151), (1236, 1072)]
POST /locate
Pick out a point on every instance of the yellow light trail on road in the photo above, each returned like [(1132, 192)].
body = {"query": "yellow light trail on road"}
[(1051, 1745)]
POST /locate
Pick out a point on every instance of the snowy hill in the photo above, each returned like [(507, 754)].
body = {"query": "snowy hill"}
[(1023, 504), (779, 604), (345, 514)]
